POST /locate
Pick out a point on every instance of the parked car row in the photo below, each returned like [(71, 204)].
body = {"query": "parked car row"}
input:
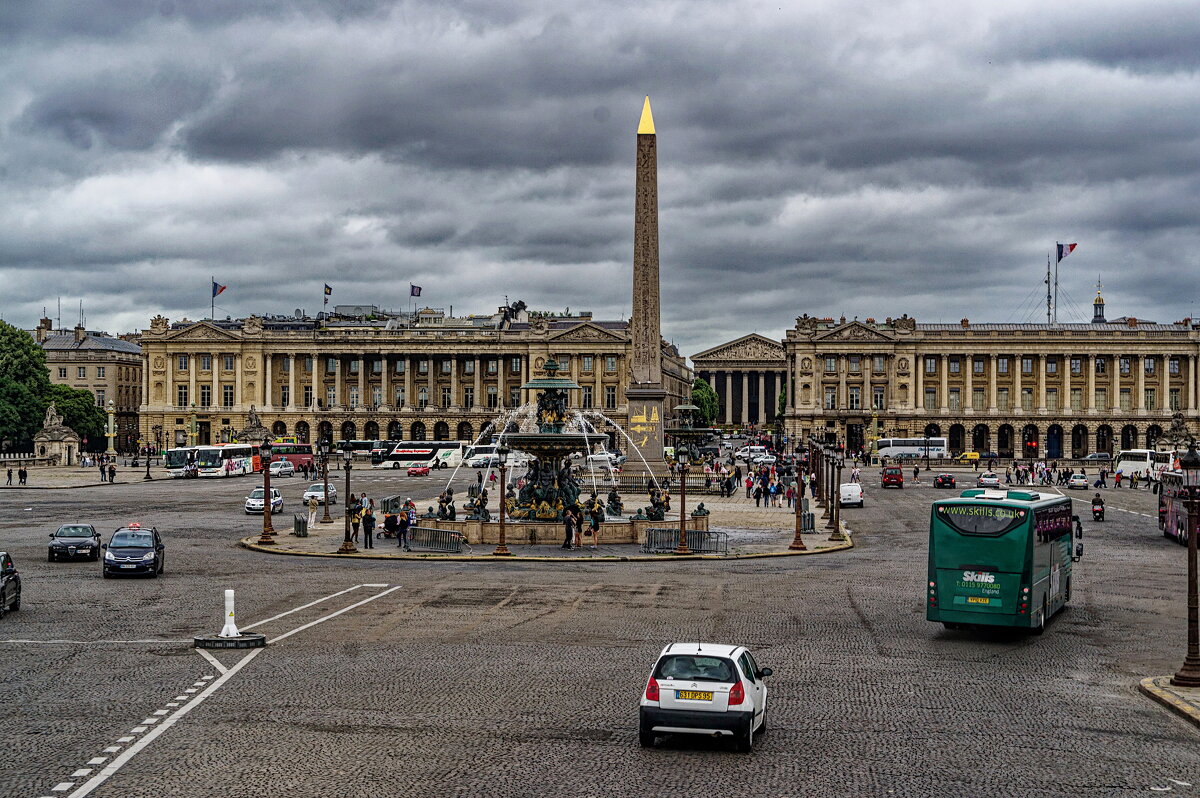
[(132, 549)]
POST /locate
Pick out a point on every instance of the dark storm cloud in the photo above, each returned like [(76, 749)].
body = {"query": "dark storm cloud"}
[(865, 159)]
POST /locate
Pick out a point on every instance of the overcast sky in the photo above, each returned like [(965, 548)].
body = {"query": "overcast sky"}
[(856, 158)]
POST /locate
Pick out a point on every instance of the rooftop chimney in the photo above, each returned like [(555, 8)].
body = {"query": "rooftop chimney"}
[(80, 333)]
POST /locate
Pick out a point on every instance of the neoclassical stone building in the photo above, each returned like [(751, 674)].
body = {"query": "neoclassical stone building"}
[(748, 374), (430, 377), (1062, 390)]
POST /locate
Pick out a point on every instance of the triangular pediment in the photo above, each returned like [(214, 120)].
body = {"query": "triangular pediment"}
[(585, 332), (854, 331), (748, 347), (202, 331)]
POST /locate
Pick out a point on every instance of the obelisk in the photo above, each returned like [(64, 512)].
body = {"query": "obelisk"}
[(645, 394)]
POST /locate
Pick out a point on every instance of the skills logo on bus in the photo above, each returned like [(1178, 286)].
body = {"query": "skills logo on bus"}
[(978, 576)]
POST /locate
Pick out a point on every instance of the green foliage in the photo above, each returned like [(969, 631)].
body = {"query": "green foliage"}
[(705, 398), (26, 392), (79, 411)]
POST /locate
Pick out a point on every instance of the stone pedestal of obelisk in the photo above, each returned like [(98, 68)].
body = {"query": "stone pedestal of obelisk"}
[(646, 393)]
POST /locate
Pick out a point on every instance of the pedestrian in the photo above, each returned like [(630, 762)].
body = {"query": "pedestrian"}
[(568, 529), (22, 475), (1117, 479), (101, 467), (402, 527), (9, 480), (355, 521), (791, 496), (368, 529), (479, 477), (112, 472), (390, 524), (757, 495), (916, 473), (312, 510), (749, 485)]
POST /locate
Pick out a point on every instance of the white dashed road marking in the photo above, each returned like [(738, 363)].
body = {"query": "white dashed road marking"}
[(216, 663)]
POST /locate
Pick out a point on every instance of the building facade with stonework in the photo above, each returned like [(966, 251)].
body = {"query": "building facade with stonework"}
[(109, 367), (1061, 390), (429, 377), (748, 374)]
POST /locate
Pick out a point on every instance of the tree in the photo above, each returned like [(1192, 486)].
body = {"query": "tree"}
[(24, 381), (26, 392), (705, 398), (79, 411)]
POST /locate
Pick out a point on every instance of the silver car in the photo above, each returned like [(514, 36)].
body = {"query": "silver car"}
[(318, 490)]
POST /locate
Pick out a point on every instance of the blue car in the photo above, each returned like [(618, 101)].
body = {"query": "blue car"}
[(134, 549)]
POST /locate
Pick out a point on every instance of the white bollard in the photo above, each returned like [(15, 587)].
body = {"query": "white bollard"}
[(230, 628)]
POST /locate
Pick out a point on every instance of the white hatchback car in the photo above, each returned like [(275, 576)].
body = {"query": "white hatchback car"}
[(254, 502), (283, 468), (1077, 482), (317, 491), (988, 479), (704, 688)]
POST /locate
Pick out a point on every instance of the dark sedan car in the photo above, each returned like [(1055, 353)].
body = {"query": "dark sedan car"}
[(74, 540), (134, 549), (944, 481), (10, 584)]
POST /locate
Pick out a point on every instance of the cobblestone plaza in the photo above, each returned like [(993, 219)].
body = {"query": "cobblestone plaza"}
[(520, 679)]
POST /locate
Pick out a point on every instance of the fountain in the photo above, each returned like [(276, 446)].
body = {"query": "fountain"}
[(549, 488)]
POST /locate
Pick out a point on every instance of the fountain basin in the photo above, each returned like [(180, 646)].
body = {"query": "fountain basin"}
[(612, 531), (552, 445)]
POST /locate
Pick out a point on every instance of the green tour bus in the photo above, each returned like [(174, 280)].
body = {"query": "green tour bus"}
[(1000, 558)]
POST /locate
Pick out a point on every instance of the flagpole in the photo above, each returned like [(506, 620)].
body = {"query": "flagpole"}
[(212, 298), (1056, 262)]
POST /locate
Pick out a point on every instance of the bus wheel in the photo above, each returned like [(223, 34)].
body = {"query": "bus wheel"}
[(395, 466), (1041, 627)]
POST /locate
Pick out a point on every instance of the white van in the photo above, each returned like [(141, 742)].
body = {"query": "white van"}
[(749, 452)]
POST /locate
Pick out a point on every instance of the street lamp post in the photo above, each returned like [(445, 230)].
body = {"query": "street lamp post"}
[(264, 451), (147, 453), (502, 545), (323, 453), (347, 458), (110, 431), (682, 455), (837, 504), (834, 495), (1189, 674), (797, 541)]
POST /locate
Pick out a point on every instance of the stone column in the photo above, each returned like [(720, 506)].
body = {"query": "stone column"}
[(362, 380), (919, 382), (455, 399), (944, 389), (237, 381), (318, 367), (337, 382), (291, 402), (792, 375), (193, 367), (170, 398), (385, 382), (1016, 402), (502, 384), (992, 384), (1089, 401), (1039, 363), (144, 399), (1139, 365), (479, 400), (762, 397), (1191, 391), (745, 417), (433, 399), (968, 398), (1115, 370), (1065, 404), (728, 397), (843, 393), (215, 401), (408, 369)]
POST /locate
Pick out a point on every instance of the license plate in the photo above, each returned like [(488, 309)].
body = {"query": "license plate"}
[(978, 600), (129, 566), (694, 695)]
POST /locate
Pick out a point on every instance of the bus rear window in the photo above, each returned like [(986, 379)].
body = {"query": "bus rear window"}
[(988, 520)]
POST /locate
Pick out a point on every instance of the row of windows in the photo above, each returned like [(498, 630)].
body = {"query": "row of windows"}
[(81, 372), (587, 363), (1124, 364), (587, 397), (978, 401)]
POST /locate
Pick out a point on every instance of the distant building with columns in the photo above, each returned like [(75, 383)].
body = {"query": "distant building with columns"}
[(425, 377), (1046, 390)]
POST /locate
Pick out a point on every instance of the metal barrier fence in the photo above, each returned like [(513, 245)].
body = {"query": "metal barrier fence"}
[(660, 540), (430, 539), (299, 525)]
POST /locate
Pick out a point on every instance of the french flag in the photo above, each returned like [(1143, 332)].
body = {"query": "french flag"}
[(1064, 250), (218, 288)]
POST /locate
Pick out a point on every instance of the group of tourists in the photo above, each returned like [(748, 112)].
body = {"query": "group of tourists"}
[(22, 475)]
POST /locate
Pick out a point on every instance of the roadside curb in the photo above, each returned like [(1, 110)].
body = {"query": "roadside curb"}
[(1183, 701), (249, 543), (69, 487)]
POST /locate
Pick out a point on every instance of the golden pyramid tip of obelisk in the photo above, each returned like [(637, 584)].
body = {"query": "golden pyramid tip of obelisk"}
[(647, 123)]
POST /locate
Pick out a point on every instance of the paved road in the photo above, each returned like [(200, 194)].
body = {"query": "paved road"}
[(515, 680)]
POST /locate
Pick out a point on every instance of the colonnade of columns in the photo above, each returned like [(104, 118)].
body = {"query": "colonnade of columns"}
[(747, 396)]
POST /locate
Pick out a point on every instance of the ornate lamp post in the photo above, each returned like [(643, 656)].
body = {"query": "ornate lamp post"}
[(797, 541), (1189, 674), (323, 453), (348, 464), (682, 456), (264, 452), (837, 499), (147, 453), (110, 431), (502, 456)]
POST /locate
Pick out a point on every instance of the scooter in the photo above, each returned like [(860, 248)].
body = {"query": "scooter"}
[(1097, 512)]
